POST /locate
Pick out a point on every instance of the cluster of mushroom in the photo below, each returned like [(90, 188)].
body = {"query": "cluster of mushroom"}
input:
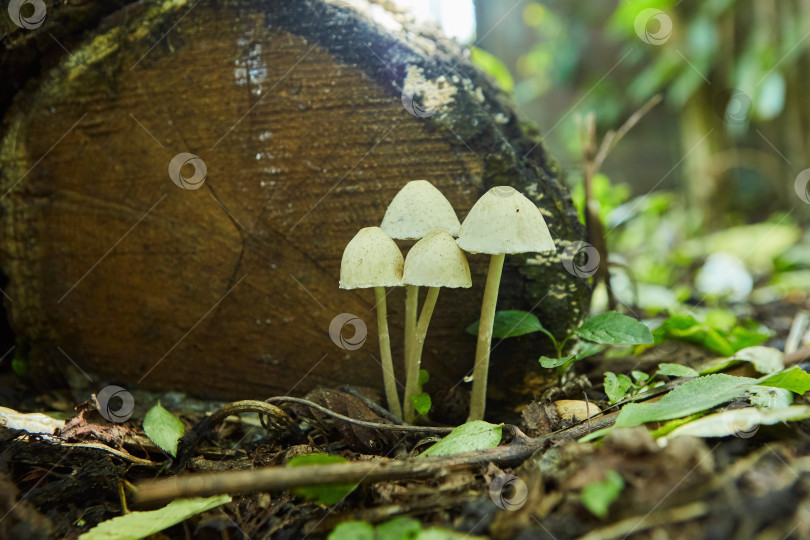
[(502, 221)]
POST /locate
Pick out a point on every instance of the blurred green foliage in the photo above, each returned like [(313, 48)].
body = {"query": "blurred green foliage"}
[(724, 42)]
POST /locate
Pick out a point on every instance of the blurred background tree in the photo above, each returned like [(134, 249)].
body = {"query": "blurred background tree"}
[(733, 132)]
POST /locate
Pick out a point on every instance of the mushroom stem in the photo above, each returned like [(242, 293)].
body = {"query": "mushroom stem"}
[(411, 309), (478, 400), (415, 361), (389, 380)]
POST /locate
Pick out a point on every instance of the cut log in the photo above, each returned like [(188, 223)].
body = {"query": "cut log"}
[(305, 117)]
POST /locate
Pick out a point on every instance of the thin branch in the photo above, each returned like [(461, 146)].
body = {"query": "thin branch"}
[(363, 423), (612, 138), (592, 161), (635, 524), (281, 478)]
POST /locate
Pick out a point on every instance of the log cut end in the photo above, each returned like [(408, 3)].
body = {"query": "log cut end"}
[(217, 272)]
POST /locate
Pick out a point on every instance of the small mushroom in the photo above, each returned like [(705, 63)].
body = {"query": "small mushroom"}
[(434, 261), (502, 221), (416, 210), (372, 259)]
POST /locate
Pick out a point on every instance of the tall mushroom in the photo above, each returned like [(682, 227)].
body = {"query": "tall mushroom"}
[(502, 221), (372, 259), (434, 261), (417, 209)]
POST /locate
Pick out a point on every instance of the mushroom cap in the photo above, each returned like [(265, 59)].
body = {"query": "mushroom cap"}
[(437, 261), (504, 221), (371, 259), (417, 209)]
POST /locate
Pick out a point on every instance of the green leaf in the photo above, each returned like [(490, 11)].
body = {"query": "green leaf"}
[(352, 530), (493, 67), (328, 494), (511, 323), (700, 394), (421, 402), (794, 379), (617, 386), (713, 334), (740, 338), (163, 428), (691, 397), (597, 496), (676, 370), (424, 377), (586, 348), (768, 396), (687, 328), (549, 362), (400, 528), (670, 425), (639, 377), (764, 359), (137, 525), (475, 435), (613, 328), (740, 422), (439, 533)]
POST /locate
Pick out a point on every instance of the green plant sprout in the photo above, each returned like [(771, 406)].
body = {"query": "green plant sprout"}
[(421, 400), (620, 386), (611, 328)]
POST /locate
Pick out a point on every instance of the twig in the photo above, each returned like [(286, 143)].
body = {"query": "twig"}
[(592, 161), (119, 453), (379, 411), (797, 330), (594, 229), (612, 138), (276, 418), (626, 527), (798, 356), (280, 478), (271, 417), (363, 423)]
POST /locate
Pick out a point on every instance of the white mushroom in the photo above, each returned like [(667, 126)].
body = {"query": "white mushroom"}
[(372, 259), (502, 221), (416, 210), (434, 261)]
